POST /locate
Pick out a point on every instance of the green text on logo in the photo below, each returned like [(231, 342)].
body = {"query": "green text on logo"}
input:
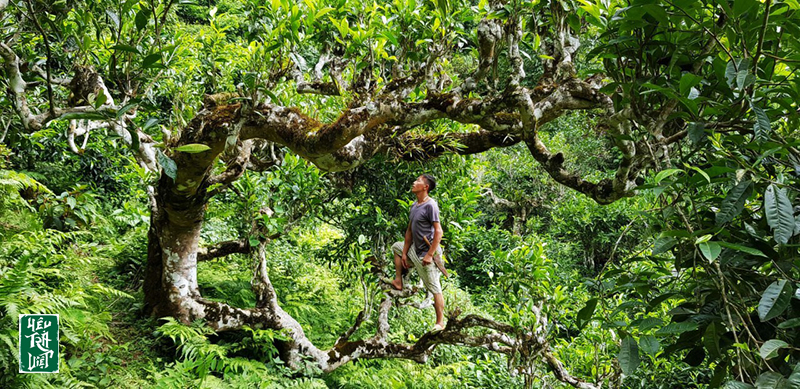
[(38, 343)]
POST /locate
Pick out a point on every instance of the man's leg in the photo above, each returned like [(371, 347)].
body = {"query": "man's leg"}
[(397, 283), (430, 275), (438, 306)]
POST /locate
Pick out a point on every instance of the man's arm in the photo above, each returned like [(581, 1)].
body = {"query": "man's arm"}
[(437, 237)]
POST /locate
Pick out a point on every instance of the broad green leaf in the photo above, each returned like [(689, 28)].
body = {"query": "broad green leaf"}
[(585, 314), (791, 323), (742, 6), (771, 347), (649, 323), (710, 250), (141, 18), (780, 214), (775, 300), (666, 173), (737, 385), (151, 60), (688, 80), (649, 344), (100, 100), (663, 244), (734, 202), (711, 340), (677, 328), (794, 378), (193, 148), (762, 126), (771, 380), (697, 132), (169, 166), (629, 356), (733, 69)]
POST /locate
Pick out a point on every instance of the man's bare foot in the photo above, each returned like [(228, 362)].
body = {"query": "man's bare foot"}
[(397, 284)]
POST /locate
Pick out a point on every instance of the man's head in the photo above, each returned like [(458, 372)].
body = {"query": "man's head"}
[(424, 183)]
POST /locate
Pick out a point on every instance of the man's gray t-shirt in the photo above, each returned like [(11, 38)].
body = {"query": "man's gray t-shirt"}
[(421, 218)]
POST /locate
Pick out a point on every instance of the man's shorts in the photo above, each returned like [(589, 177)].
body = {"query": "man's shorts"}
[(429, 274)]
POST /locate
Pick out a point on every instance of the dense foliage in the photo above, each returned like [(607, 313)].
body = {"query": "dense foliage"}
[(660, 238)]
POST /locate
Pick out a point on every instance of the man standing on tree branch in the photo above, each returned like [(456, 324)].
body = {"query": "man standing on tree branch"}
[(423, 235)]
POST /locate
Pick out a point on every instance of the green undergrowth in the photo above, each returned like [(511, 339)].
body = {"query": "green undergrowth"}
[(91, 276)]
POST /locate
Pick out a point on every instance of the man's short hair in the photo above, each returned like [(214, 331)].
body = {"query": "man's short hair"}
[(431, 182)]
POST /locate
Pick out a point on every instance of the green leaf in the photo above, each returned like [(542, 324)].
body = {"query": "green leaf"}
[(390, 36), (780, 214), (677, 328), (150, 123), (771, 380), (83, 115), (775, 300), (745, 249), (733, 68), (193, 148), (742, 6), (666, 173), (702, 173), (629, 356), (169, 166), (122, 111), (771, 347), (663, 244), (585, 314), (734, 202), (649, 323), (791, 323), (649, 344), (141, 18), (762, 126), (151, 60), (736, 384), (711, 340), (710, 250), (697, 132), (100, 100), (688, 80), (253, 241)]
